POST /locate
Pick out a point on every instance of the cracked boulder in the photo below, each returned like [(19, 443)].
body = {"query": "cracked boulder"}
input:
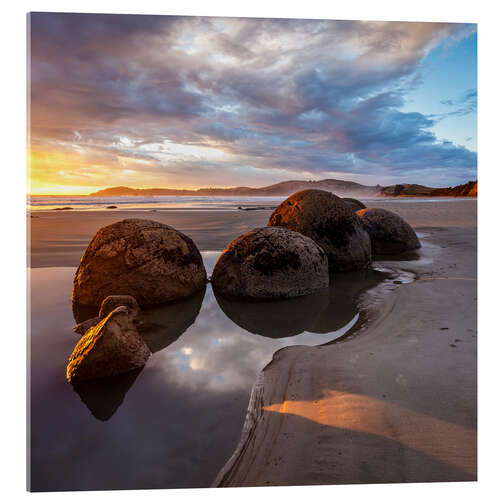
[(270, 263), (330, 222), (146, 259), (390, 234), (108, 304), (111, 347)]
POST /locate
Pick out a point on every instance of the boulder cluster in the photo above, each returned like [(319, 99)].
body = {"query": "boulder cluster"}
[(331, 223), (136, 263), (130, 264)]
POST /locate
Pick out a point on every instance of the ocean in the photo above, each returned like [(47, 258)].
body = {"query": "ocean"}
[(148, 203)]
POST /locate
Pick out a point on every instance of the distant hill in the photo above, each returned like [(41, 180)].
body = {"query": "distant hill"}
[(406, 190), (469, 189), (286, 188), (341, 188)]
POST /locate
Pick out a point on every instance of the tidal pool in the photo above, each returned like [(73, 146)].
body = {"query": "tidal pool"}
[(174, 423)]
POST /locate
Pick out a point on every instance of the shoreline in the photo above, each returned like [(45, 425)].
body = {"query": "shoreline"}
[(59, 237), (395, 402)]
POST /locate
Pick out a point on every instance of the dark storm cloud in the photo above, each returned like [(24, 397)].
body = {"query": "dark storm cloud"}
[(303, 96)]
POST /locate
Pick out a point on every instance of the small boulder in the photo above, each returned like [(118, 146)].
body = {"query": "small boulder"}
[(354, 204), (113, 301), (109, 348), (327, 220), (108, 304), (390, 234), (149, 260), (271, 263), (84, 326)]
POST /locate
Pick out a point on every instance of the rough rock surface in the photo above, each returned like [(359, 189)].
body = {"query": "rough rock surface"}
[(327, 220), (108, 304), (146, 259), (113, 301), (389, 233), (84, 326), (111, 347), (271, 263), (354, 204)]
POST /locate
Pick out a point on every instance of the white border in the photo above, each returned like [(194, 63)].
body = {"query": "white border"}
[(13, 125)]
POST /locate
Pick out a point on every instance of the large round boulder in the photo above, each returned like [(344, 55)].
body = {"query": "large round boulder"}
[(327, 220), (354, 204), (146, 259), (390, 234), (271, 263)]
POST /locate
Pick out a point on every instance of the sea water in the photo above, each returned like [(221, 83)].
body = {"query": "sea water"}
[(174, 423)]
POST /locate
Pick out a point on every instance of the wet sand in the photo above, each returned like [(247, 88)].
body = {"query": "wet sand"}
[(58, 238), (396, 402)]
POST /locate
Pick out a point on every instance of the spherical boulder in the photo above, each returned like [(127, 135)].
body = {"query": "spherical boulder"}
[(354, 204), (270, 263), (146, 259), (327, 220), (111, 347), (390, 234)]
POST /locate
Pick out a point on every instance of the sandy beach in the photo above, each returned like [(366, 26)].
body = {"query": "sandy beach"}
[(396, 402), (58, 238)]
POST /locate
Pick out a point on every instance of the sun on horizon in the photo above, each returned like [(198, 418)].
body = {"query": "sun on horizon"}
[(181, 102)]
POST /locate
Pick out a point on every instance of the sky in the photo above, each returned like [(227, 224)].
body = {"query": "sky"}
[(188, 102)]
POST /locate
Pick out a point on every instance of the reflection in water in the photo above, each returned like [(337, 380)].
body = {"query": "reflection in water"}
[(103, 396), (181, 418), (276, 319), (399, 257), (82, 312), (160, 326), (343, 295)]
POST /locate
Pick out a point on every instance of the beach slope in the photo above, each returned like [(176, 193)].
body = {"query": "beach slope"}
[(394, 403)]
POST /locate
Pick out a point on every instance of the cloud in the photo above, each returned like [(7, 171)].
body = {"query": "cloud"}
[(464, 105), (280, 97)]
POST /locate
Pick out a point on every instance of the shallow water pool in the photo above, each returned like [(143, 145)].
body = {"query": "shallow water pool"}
[(174, 423)]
